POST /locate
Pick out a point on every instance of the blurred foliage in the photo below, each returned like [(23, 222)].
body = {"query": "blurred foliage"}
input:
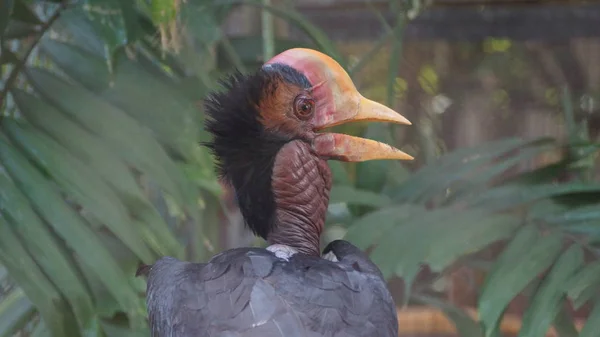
[(101, 168)]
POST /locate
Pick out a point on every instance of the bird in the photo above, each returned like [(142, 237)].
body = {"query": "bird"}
[(270, 145)]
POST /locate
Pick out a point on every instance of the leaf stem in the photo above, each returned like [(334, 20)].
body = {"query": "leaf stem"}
[(268, 34), (19, 66)]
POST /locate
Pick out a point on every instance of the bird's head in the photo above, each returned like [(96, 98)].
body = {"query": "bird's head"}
[(268, 141)]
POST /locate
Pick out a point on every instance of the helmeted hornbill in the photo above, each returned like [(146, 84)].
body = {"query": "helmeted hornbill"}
[(267, 146)]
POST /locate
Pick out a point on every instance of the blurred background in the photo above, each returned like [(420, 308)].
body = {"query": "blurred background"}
[(493, 230)]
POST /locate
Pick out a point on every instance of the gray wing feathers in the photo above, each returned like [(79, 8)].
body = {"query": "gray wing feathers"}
[(251, 293)]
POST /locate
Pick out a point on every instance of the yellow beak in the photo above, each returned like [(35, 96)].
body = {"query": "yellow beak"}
[(342, 104)]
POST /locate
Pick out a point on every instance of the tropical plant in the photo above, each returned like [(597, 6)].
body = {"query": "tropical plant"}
[(101, 168)]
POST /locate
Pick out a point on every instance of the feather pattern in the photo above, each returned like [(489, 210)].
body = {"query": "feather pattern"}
[(250, 292)]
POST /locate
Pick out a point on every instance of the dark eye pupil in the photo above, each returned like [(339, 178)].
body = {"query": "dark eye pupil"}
[(303, 107)]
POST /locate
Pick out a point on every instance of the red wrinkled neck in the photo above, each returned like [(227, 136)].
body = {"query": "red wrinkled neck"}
[(301, 182)]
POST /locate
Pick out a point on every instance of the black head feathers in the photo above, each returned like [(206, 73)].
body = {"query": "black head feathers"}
[(244, 150)]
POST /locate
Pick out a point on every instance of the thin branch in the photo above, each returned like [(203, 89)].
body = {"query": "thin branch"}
[(14, 74)]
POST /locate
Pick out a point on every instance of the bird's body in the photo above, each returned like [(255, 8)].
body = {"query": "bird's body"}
[(250, 292), (266, 142)]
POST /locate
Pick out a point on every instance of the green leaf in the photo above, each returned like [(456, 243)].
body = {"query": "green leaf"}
[(41, 243), (508, 196), (466, 236), (74, 25), (90, 150), (563, 323), (148, 104), (437, 237), (130, 20), (81, 65), (372, 175), (40, 291), (351, 195), (370, 228), (339, 173), (583, 285), (478, 181), (6, 10), (122, 134), (80, 183), (163, 11), (435, 178), (107, 19), (179, 128), (15, 311), (40, 330), (525, 257), (572, 216), (592, 325), (73, 229), (202, 21), (547, 301)]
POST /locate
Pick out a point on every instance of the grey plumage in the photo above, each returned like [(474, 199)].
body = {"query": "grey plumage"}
[(249, 292)]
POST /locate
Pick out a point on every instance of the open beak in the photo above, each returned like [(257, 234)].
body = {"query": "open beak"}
[(341, 103), (355, 149)]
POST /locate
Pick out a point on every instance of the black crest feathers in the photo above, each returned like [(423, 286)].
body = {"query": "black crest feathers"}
[(243, 149)]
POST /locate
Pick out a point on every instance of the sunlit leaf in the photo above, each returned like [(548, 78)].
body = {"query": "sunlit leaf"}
[(428, 79), (163, 11)]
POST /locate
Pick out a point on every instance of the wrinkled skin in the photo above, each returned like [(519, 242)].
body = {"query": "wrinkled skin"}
[(301, 183)]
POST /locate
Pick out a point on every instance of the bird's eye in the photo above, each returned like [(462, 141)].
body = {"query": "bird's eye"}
[(303, 107)]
